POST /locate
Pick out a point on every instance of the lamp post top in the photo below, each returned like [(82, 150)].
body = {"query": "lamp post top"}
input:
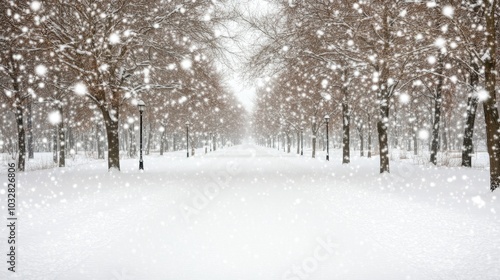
[(141, 105), (327, 117)]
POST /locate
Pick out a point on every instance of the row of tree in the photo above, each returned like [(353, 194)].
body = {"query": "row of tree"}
[(395, 67), (82, 66)]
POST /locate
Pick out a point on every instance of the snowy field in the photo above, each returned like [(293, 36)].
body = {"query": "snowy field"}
[(249, 212)]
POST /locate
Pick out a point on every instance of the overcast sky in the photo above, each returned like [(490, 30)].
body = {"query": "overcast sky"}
[(244, 90)]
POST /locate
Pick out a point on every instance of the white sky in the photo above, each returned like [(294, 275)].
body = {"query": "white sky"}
[(240, 50)]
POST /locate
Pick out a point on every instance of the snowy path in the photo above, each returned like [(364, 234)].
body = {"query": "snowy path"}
[(249, 212)]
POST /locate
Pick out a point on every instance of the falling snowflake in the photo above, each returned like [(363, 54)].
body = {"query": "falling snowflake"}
[(35, 6), (186, 64), (41, 70), (404, 98), (440, 42), (80, 88), (483, 95), (114, 39), (448, 11), (55, 117), (431, 59), (423, 134)]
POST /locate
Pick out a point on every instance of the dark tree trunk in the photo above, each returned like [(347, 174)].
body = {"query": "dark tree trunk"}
[(437, 111), (361, 144), (313, 146), (298, 142), (215, 143), (21, 136), (30, 129), (346, 157), (471, 116), (111, 124), (54, 144), (62, 139), (97, 144), (444, 138), (415, 143), (490, 105), (369, 136), (382, 132)]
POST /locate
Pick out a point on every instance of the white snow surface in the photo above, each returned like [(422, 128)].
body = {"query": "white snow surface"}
[(248, 212)]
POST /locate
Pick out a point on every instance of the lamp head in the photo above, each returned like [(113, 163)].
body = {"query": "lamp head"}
[(141, 105)]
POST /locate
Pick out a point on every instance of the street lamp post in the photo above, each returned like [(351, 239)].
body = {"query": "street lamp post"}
[(327, 118), (141, 106), (301, 141), (187, 138)]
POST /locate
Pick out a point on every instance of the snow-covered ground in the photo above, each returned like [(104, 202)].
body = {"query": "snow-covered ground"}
[(249, 212)]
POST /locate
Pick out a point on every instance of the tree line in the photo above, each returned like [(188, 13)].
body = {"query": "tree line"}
[(405, 70), (72, 73)]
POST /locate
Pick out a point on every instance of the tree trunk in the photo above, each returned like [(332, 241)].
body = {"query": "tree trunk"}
[(490, 105), (30, 129), (384, 97), (162, 141), (215, 143), (174, 142), (288, 142), (437, 111), (369, 136), (346, 157), (54, 144), (361, 144), (97, 144), (471, 116), (314, 146), (298, 142), (415, 143), (314, 133), (21, 136), (111, 123), (62, 139), (382, 132)]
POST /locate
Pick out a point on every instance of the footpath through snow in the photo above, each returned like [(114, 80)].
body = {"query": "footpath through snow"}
[(249, 212)]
